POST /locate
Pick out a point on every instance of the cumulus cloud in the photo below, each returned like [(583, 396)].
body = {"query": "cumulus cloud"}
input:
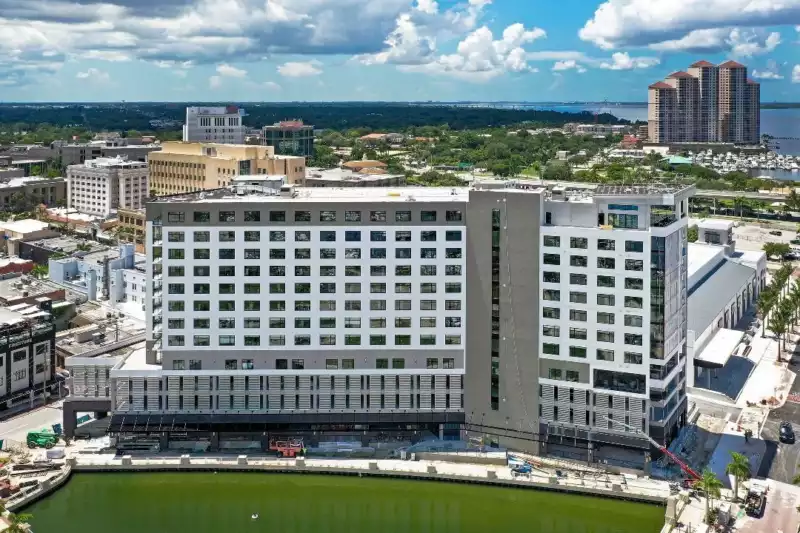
[(300, 69), (37, 34), (230, 71), (620, 23), (772, 72), (622, 61), (480, 57), (94, 75), (796, 74), (568, 64)]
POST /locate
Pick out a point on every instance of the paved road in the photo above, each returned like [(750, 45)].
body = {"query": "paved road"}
[(785, 457), (16, 428), (779, 516)]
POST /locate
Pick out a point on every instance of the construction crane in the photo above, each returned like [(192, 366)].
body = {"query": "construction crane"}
[(694, 476)]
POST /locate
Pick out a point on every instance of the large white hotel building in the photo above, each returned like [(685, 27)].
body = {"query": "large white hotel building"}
[(528, 314)]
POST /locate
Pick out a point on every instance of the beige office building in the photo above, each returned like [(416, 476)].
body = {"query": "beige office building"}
[(185, 166), (706, 104)]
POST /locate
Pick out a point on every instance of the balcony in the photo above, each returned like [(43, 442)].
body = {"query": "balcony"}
[(662, 216)]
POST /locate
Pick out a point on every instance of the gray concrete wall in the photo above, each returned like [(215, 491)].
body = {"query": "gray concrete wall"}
[(519, 312)]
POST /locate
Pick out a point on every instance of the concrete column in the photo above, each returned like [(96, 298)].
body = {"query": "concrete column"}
[(163, 442), (214, 442)]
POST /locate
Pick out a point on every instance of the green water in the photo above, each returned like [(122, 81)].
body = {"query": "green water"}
[(224, 503)]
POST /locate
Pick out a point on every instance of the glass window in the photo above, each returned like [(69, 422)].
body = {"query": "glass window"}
[(605, 336), (227, 253), (276, 236), (377, 236), (227, 340), (175, 236), (605, 281), (377, 253), (302, 253), (302, 216), (633, 302), (402, 340), (636, 265), (578, 261), (551, 349), (402, 216), (202, 236), (607, 245), (327, 216), (327, 271), (579, 242), (402, 236), (252, 253), (452, 288), (578, 333), (605, 355), (551, 312), (633, 339), (302, 236), (227, 236), (327, 236), (552, 277), (605, 318), (452, 235), (227, 216), (453, 216), (227, 271), (452, 253), (605, 299), (200, 253), (427, 236), (252, 216), (551, 295), (577, 279), (635, 284), (428, 216), (576, 315), (551, 259), (202, 271), (606, 262), (176, 253), (202, 216), (175, 271), (352, 253), (352, 216), (452, 270), (551, 331), (578, 297), (377, 216), (634, 246), (277, 216), (327, 253), (633, 358), (202, 305), (633, 321), (577, 351), (552, 241), (252, 270), (378, 340)]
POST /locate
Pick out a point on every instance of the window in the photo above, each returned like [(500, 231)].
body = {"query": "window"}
[(551, 295), (428, 216), (551, 259), (302, 305), (277, 216), (452, 322), (552, 241), (278, 340), (635, 284), (578, 333), (327, 288), (252, 270), (303, 340), (302, 216), (327, 271), (377, 288), (327, 236), (176, 217), (252, 323), (578, 261), (277, 305), (377, 216), (402, 236), (633, 358), (402, 322), (452, 288), (175, 236), (607, 245), (633, 340), (453, 253), (352, 270), (452, 235), (377, 253), (175, 288), (202, 216), (605, 336), (452, 270), (577, 351), (377, 322), (352, 288), (252, 305), (302, 323), (426, 253), (176, 253), (299, 253), (348, 364), (201, 253), (578, 297), (551, 349), (175, 323), (227, 236), (231, 364), (227, 253), (579, 242), (175, 340), (402, 216), (623, 221), (551, 312), (573, 376), (606, 262), (227, 340), (402, 305), (427, 322), (275, 236), (633, 302), (402, 253), (195, 364), (227, 271), (252, 216), (554, 373), (252, 253), (605, 299), (175, 306), (201, 271), (551, 331), (381, 363), (402, 270), (605, 281), (227, 323), (427, 270), (352, 216), (605, 318), (577, 279), (277, 323), (299, 288), (636, 265), (327, 253), (634, 246), (448, 363), (633, 321), (552, 277), (427, 236), (302, 271), (302, 236), (352, 253), (327, 216), (227, 216), (202, 305), (202, 288), (202, 236), (402, 340), (452, 340), (450, 305), (578, 316), (402, 288), (377, 236), (377, 305)]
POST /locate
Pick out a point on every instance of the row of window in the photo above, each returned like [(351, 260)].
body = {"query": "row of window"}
[(305, 340), (299, 288), (581, 261), (305, 323), (305, 253), (601, 281), (305, 236), (324, 271), (305, 216), (305, 305), (578, 315), (582, 243), (581, 334), (631, 302), (330, 364)]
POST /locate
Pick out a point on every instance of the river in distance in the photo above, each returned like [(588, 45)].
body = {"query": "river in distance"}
[(297, 503)]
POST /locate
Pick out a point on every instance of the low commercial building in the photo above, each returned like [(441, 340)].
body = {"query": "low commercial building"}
[(186, 167), (131, 227), (723, 285), (101, 186), (31, 167), (78, 153), (345, 177), (289, 137), (27, 351), (93, 274), (19, 231), (15, 290), (32, 191)]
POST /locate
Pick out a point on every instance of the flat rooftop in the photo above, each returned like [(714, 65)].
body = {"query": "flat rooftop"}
[(327, 195), (66, 244), (30, 180), (699, 254), (110, 162), (343, 174), (28, 225)]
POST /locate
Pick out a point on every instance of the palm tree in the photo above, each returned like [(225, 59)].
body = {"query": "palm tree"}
[(766, 300), (739, 468), (17, 523), (781, 317), (39, 271), (739, 202), (711, 485)]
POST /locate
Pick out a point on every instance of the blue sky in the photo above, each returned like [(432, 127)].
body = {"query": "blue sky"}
[(312, 50)]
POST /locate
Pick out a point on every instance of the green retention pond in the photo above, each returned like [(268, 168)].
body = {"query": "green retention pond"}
[(301, 503)]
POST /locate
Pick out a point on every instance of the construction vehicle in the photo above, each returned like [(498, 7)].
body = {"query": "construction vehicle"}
[(756, 500), (41, 439), (287, 447)]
